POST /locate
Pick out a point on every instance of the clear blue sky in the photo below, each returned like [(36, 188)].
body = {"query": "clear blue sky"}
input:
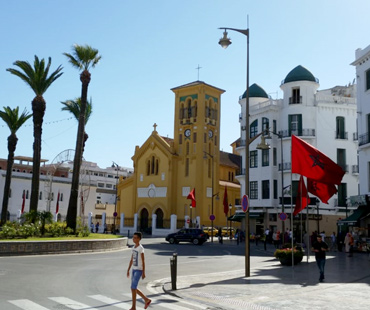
[(149, 47)]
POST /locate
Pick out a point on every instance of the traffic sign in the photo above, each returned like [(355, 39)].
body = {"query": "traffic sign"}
[(283, 216), (245, 203), (212, 217)]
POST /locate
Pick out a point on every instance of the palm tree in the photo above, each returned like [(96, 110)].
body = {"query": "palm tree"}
[(38, 78), (14, 121), (82, 57), (74, 107)]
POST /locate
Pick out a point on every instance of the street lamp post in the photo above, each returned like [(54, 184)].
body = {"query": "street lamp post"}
[(264, 146), (230, 207), (225, 42), (213, 195), (114, 165)]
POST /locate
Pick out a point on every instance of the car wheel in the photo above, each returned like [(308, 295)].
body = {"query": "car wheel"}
[(172, 240), (195, 241)]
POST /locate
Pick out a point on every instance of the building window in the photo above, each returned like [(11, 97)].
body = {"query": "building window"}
[(295, 124), (266, 189), (275, 189), (101, 185), (253, 159), (40, 196), (180, 138), (341, 159), (108, 185), (367, 79), (265, 158), (340, 130), (215, 140), (26, 194), (52, 196), (195, 137), (253, 189), (274, 156), (342, 194), (187, 148), (209, 167), (274, 126), (296, 97), (254, 129), (152, 166), (265, 123), (61, 196), (205, 138)]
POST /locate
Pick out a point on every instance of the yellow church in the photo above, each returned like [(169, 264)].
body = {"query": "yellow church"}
[(166, 170)]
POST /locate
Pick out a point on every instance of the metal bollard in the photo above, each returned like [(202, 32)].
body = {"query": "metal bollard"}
[(173, 265)]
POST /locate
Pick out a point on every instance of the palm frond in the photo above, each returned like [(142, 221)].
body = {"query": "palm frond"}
[(83, 57), (37, 76), (12, 118), (74, 107)]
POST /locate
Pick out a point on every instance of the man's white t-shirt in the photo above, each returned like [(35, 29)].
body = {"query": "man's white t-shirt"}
[(137, 262)]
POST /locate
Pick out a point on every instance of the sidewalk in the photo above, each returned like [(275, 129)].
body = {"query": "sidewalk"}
[(273, 286)]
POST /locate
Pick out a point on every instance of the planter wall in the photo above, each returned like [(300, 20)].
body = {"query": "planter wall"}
[(13, 248)]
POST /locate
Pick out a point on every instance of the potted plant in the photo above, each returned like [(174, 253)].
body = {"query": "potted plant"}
[(285, 255)]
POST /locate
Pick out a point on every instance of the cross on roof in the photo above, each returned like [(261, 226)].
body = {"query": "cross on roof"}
[(198, 68), (155, 126)]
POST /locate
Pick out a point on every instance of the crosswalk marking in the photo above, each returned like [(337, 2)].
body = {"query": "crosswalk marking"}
[(172, 306), (112, 302), (71, 303), (27, 304)]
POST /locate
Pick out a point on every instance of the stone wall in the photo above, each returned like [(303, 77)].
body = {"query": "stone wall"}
[(12, 248)]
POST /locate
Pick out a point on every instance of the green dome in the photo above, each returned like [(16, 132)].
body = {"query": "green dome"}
[(299, 73), (255, 91)]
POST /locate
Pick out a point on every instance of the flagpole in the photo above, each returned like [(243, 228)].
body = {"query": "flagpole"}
[(291, 212), (308, 235)]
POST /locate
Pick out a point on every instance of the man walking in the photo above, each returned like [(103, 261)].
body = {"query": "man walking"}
[(320, 247)]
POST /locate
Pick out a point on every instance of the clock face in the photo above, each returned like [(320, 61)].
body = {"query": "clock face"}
[(210, 133), (187, 133)]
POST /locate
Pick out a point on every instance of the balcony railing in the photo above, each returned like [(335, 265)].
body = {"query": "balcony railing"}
[(240, 143), (364, 139), (295, 100), (355, 169), (286, 166), (240, 172), (341, 135), (304, 132)]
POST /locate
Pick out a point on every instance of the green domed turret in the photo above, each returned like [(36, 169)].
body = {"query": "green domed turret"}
[(255, 91)]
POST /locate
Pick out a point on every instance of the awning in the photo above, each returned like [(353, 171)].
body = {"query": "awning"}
[(352, 220), (238, 217)]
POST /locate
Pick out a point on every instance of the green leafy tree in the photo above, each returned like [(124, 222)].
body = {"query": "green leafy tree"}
[(14, 121), (39, 79), (82, 58)]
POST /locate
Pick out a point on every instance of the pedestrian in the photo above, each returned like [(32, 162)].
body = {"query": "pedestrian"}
[(219, 233), (137, 262), (351, 243), (267, 236), (237, 236), (97, 227), (333, 238), (320, 247), (346, 242), (323, 236), (92, 227)]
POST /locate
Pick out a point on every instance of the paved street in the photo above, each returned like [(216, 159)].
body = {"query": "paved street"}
[(209, 277)]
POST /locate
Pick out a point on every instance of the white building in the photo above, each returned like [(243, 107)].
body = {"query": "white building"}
[(97, 187), (326, 119)]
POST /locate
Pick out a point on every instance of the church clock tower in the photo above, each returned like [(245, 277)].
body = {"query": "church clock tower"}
[(196, 143)]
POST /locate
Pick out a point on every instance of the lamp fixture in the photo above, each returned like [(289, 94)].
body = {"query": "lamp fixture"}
[(225, 41)]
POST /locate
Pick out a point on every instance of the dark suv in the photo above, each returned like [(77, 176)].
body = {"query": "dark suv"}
[(196, 236)]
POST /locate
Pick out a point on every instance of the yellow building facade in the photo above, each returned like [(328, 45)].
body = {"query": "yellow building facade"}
[(166, 170)]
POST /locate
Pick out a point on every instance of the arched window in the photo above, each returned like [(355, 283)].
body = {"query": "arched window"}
[(148, 168), (40, 196), (27, 194), (188, 108), (181, 116), (152, 167), (265, 124), (160, 216), (187, 167), (187, 148), (253, 129), (61, 197)]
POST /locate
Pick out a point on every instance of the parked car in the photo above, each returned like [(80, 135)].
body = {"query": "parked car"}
[(210, 232), (194, 235)]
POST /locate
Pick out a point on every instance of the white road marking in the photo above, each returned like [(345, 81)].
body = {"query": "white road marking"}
[(27, 304), (112, 302), (71, 303)]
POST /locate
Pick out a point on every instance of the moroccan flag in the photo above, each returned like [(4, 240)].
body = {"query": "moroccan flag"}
[(310, 162), (322, 190), (302, 198), (226, 203), (23, 202), (192, 197), (57, 207)]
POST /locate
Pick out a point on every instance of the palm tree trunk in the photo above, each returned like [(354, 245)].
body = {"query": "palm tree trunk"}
[(12, 143), (38, 109), (73, 199)]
